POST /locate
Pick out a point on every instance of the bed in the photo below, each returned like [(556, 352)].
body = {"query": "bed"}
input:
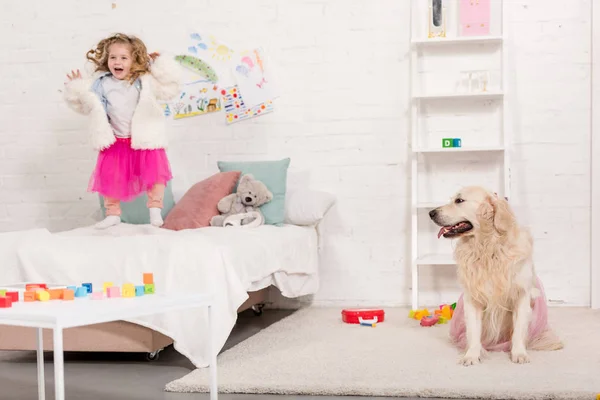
[(238, 265)]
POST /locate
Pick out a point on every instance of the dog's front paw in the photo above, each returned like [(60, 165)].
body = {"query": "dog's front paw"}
[(471, 357), (467, 360), (520, 357)]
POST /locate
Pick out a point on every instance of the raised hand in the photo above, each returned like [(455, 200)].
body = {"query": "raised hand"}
[(74, 75)]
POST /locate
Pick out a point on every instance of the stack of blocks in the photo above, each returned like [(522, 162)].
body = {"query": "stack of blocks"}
[(451, 142), (40, 292), (7, 298)]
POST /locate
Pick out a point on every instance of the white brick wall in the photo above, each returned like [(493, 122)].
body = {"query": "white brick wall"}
[(343, 66)]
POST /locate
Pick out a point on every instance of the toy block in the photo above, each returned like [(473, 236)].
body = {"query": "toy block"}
[(88, 286), (2, 293), (106, 285), (113, 292), (73, 288), (139, 290), (31, 286), (97, 295), (81, 291), (128, 290), (68, 294), (5, 302), (14, 296), (149, 288), (456, 142), (447, 142), (148, 278), (42, 295), (55, 294), (29, 296)]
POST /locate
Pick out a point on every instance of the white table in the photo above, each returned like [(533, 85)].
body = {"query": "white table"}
[(58, 315)]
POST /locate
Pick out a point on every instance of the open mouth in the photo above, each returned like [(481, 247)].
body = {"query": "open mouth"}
[(119, 70), (455, 230)]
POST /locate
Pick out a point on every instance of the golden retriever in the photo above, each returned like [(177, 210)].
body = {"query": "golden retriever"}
[(503, 306)]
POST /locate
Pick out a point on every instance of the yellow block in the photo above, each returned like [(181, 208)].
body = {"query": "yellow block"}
[(42, 295), (128, 290)]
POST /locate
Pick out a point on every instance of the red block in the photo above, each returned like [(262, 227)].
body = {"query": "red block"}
[(31, 286), (5, 302), (14, 296)]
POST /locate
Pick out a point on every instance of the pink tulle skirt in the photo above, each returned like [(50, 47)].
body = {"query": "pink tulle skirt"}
[(537, 325), (124, 173)]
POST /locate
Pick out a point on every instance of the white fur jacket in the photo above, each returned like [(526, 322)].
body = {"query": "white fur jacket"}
[(148, 128)]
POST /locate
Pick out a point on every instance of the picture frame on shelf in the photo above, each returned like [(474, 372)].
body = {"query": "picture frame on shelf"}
[(474, 17), (436, 19)]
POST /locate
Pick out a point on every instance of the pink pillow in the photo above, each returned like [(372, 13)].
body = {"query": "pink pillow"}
[(199, 204)]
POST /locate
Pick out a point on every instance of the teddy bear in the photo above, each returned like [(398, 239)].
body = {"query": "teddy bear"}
[(249, 196)]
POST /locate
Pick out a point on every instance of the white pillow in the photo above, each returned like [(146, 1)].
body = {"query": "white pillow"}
[(306, 207)]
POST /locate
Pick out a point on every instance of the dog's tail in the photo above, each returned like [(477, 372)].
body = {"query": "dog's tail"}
[(545, 341)]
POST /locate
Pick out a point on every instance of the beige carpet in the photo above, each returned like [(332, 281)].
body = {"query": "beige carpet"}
[(312, 352)]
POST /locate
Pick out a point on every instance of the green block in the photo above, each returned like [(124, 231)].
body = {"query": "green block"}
[(447, 142), (149, 288), (2, 293)]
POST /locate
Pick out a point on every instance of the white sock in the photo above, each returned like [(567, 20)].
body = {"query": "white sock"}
[(109, 221), (155, 216)]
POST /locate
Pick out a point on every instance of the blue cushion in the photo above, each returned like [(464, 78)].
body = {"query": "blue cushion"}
[(136, 212), (274, 175)]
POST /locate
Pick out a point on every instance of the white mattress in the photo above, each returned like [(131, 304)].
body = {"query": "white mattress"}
[(284, 256), (228, 261)]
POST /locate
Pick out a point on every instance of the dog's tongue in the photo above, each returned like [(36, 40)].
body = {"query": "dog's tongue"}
[(442, 231)]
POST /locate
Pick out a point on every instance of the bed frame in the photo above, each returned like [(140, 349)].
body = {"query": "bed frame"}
[(118, 336)]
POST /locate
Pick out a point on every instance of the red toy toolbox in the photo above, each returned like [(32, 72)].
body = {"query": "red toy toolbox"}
[(350, 316)]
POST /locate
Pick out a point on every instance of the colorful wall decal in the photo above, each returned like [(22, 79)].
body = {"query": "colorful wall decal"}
[(236, 109)]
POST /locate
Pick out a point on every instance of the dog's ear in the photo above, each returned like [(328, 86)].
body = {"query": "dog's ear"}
[(504, 218), (485, 211)]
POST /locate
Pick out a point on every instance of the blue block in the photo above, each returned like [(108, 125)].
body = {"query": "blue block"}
[(81, 291), (89, 285), (73, 288), (139, 290), (456, 142)]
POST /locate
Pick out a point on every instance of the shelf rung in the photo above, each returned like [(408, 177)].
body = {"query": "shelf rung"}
[(458, 149), (480, 95), (429, 204), (436, 259), (458, 40)]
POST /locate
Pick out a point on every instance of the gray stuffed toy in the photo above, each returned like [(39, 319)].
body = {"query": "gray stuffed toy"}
[(242, 208)]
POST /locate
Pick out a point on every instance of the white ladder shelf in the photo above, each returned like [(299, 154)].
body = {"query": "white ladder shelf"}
[(419, 42)]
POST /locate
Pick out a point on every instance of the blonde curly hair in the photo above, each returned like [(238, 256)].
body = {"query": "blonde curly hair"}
[(140, 59)]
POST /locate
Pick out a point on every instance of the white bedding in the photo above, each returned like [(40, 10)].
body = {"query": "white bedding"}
[(228, 261)]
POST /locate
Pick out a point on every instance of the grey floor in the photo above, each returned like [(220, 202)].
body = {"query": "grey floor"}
[(102, 376)]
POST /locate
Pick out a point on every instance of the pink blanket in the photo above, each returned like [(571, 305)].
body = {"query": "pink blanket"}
[(537, 326)]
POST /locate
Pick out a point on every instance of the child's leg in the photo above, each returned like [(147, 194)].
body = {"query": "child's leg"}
[(113, 206), (113, 213), (155, 203)]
